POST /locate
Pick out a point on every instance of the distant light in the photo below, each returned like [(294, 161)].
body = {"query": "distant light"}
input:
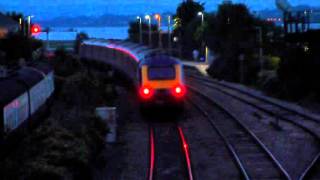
[(147, 17), (175, 39), (35, 29), (200, 13), (157, 16)]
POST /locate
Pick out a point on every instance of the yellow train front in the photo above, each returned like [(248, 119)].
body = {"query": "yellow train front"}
[(161, 82)]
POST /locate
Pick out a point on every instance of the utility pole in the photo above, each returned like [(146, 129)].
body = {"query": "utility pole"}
[(260, 48), (169, 34), (140, 29), (158, 18), (147, 17), (47, 32)]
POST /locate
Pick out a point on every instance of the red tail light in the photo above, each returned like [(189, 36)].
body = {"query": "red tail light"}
[(179, 91), (146, 92)]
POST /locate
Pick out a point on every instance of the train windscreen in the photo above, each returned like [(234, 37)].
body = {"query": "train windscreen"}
[(161, 73)]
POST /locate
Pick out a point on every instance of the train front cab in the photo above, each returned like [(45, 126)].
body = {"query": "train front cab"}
[(161, 83)]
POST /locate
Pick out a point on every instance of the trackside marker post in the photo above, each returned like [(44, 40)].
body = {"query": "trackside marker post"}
[(108, 115)]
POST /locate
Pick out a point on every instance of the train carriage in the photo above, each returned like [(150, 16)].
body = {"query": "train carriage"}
[(159, 78), (22, 94)]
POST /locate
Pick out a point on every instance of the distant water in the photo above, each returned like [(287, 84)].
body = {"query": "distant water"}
[(67, 34), (315, 26)]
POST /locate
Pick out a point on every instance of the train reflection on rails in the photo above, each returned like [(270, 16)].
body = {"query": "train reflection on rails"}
[(158, 77)]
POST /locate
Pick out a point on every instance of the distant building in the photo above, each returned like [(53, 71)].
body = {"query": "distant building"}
[(7, 25)]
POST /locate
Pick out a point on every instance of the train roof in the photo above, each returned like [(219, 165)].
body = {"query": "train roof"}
[(10, 90), (42, 67), (137, 51), (13, 86), (159, 60)]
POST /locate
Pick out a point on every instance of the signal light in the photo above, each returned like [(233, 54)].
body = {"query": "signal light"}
[(35, 29), (146, 92), (179, 91)]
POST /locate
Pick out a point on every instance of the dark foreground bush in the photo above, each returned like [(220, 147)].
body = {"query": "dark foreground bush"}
[(66, 145)]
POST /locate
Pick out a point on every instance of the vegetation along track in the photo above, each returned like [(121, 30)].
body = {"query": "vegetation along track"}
[(169, 153), (253, 158)]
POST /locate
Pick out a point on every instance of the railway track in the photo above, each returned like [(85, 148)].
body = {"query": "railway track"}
[(252, 157), (169, 153), (304, 121), (307, 123)]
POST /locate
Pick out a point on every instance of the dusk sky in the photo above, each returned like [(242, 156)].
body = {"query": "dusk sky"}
[(53, 8)]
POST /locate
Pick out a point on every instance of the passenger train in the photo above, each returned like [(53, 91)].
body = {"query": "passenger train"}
[(23, 94), (161, 81), (158, 77)]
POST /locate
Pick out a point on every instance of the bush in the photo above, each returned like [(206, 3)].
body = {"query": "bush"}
[(299, 69), (17, 46)]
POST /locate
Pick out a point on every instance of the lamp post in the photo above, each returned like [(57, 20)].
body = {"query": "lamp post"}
[(148, 18), (169, 33), (20, 24), (202, 17), (158, 18), (140, 29), (203, 46), (260, 48), (29, 25)]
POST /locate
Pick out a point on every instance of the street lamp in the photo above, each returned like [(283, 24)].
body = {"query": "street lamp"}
[(148, 18), (202, 17), (203, 46), (29, 25), (158, 18), (140, 29)]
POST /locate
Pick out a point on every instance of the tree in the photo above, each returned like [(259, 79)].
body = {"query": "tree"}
[(299, 71), (233, 33), (15, 16), (16, 46), (186, 25), (187, 12), (134, 30), (79, 39)]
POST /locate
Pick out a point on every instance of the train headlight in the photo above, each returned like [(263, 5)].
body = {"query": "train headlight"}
[(146, 92), (179, 91)]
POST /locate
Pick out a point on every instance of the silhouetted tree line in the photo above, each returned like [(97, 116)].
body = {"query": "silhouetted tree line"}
[(17, 45), (299, 68)]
